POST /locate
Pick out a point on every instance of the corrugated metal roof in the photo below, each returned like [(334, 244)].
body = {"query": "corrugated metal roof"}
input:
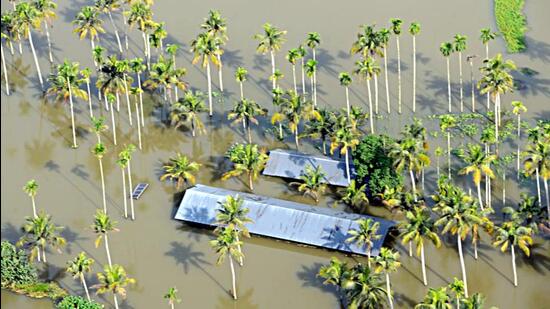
[(292, 164), (317, 226)]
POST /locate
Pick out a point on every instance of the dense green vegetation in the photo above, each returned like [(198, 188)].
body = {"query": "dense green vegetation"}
[(511, 23), (77, 302)]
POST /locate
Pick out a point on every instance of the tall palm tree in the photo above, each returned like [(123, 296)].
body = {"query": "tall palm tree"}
[(477, 163), (312, 183), (414, 30), (46, 12), (292, 56), (226, 246), (187, 110), (270, 42), (40, 233), (384, 38), (387, 262), (172, 297), (446, 50), (518, 109), (103, 225), (457, 287), (436, 298), (407, 153), (136, 92), (164, 76), (336, 273), (140, 15), (240, 77), (206, 50), (172, 50), (457, 214), (365, 289), (354, 195), (88, 24), (231, 214), (347, 139), (216, 26), (365, 236), (313, 40), (249, 159), (85, 74), (137, 66), (99, 151), (113, 279), (446, 124), (181, 169), (122, 162), (311, 68), (396, 29), (438, 152), (123, 67), (78, 267), (5, 35), (126, 154), (537, 164), (111, 79), (345, 81), (107, 7), (31, 188), (459, 45), (302, 55), (27, 18), (245, 111), (511, 234), (367, 69), (486, 36), (322, 127)]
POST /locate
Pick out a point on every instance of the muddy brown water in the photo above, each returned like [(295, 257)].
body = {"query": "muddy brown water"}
[(161, 252)]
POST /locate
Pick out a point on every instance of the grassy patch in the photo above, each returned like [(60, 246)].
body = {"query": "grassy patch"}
[(511, 23)]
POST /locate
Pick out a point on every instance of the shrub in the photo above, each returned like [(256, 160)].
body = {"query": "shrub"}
[(511, 23), (16, 268), (77, 302), (373, 166), (41, 289)]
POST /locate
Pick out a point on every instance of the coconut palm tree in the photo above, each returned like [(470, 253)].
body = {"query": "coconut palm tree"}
[(292, 56), (302, 55), (206, 50), (88, 24), (249, 159), (276, 77), (187, 110), (457, 288), (226, 246), (322, 127), (111, 80), (518, 109), (136, 92), (446, 50), (245, 112), (27, 18), (107, 7), (31, 188), (537, 164), (172, 49), (446, 123), (5, 35), (172, 297), (459, 45), (126, 154), (418, 228), (354, 196), (396, 30), (240, 77), (336, 273), (311, 68), (99, 151), (40, 233), (46, 12), (407, 153), (414, 30), (158, 35), (216, 26), (270, 42), (164, 76), (140, 15), (364, 289), (486, 36), (436, 298), (367, 69), (231, 214), (122, 162), (384, 38), (528, 212), (85, 74), (180, 169), (113, 279), (8, 33), (345, 81), (78, 267), (511, 234), (111, 98), (347, 139), (365, 236), (313, 182), (123, 67), (137, 66), (457, 214), (387, 262), (313, 40), (477, 163), (103, 225)]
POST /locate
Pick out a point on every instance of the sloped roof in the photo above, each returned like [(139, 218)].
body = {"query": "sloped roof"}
[(316, 226), (292, 164)]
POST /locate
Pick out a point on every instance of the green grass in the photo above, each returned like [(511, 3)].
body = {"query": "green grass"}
[(511, 23)]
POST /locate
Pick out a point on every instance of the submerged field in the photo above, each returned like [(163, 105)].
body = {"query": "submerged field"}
[(161, 252)]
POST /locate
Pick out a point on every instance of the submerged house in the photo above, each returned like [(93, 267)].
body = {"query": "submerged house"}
[(280, 219)]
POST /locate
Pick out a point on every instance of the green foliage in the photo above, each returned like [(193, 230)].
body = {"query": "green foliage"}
[(77, 302), (16, 268), (373, 166), (511, 23), (41, 289)]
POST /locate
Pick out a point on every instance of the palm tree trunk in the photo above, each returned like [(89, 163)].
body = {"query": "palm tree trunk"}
[(117, 102), (423, 260), (449, 82), (273, 67), (398, 74), (241, 260), (475, 249), (414, 73), (131, 187), (410, 248), (296, 139), (93, 47), (303, 78), (72, 114), (138, 123), (124, 193), (33, 207), (20, 44), (113, 123), (250, 184), (388, 290), (48, 40), (233, 281), (116, 31), (370, 108), (89, 97), (29, 32), (83, 280), (386, 78), (140, 99), (127, 99), (422, 173), (144, 37), (514, 265), (376, 94), (347, 101), (462, 266), (460, 81), (220, 75), (44, 254), (449, 152), (519, 140), (538, 186), (411, 173), (125, 31), (209, 88), (497, 102), (348, 173), (504, 188), (102, 185), (437, 166), (242, 91), (4, 68), (368, 255), (487, 57), (547, 197), (294, 78), (116, 300), (38, 258), (472, 87), (478, 185), (107, 250)]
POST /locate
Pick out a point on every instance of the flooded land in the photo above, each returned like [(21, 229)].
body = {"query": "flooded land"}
[(160, 252)]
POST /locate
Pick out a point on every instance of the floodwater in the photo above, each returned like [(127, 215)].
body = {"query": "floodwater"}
[(161, 252)]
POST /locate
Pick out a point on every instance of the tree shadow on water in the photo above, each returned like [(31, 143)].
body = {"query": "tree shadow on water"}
[(308, 276)]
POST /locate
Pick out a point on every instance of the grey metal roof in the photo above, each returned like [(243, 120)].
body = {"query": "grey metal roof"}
[(292, 164), (316, 226)]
